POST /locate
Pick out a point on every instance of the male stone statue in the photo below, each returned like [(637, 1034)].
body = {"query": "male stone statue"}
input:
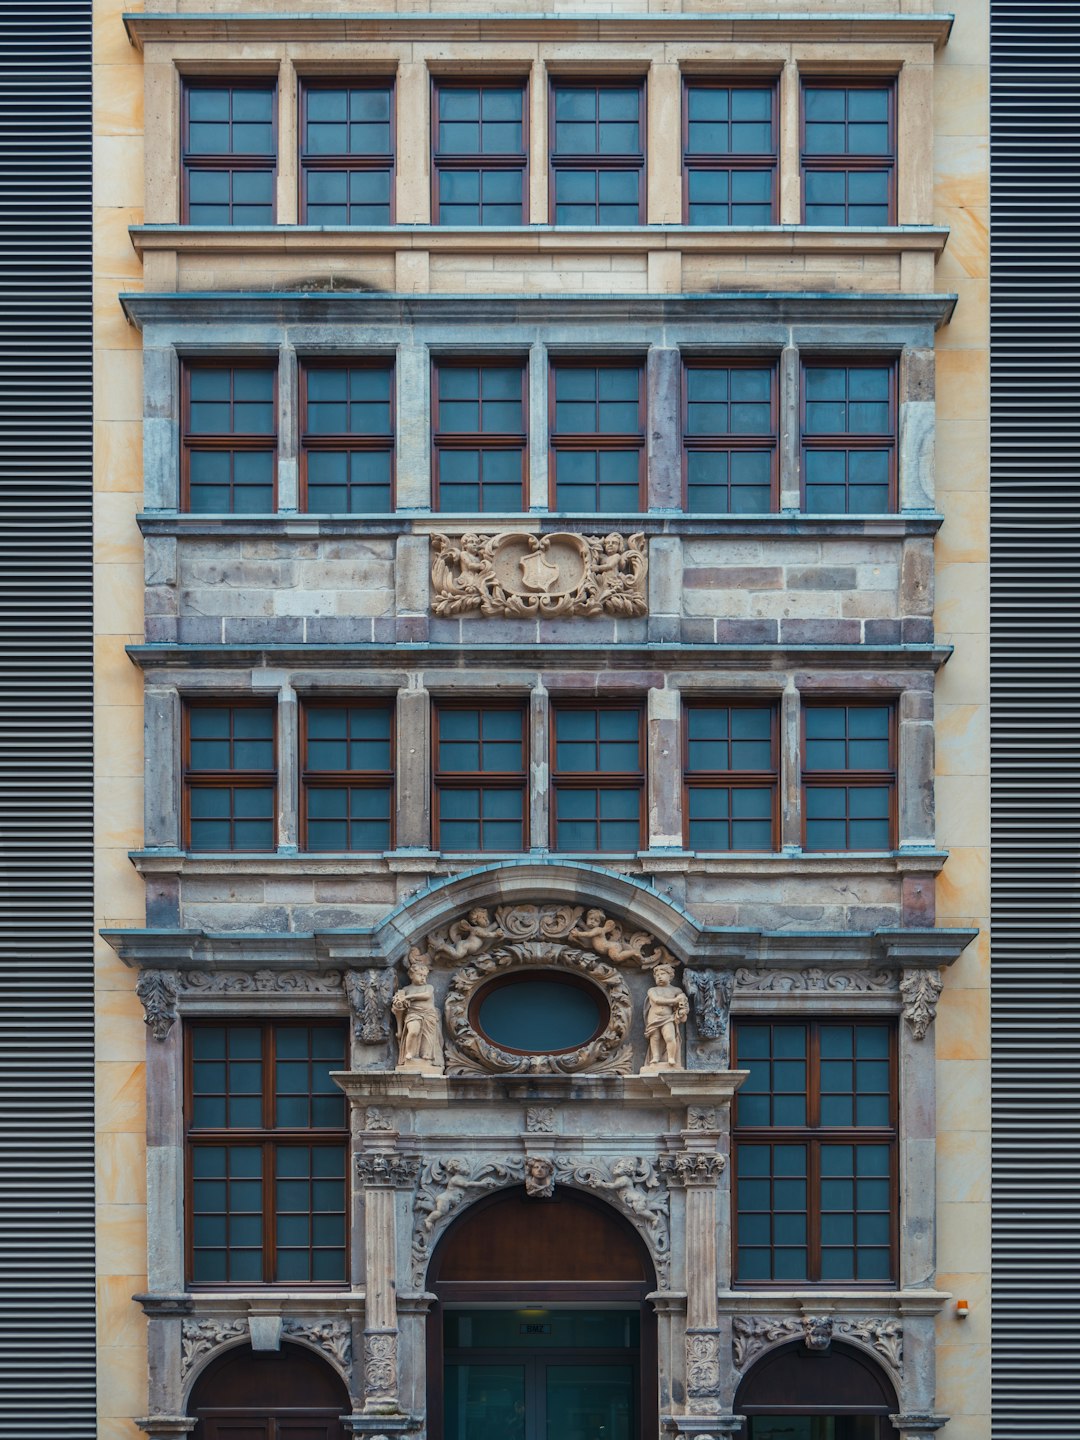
[(419, 1030), (666, 1011)]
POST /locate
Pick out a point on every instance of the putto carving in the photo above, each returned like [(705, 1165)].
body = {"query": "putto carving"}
[(631, 1181), (814, 978), (477, 933), (920, 990), (817, 1331), (369, 993), (465, 937), (157, 991), (753, 1334), (332, 1337), (514, 575), (199, 1337), (539, 1177), (382, 1168), (711, 992), (419, 1029), (702, 1363), (380, 1365), (691, 1167), (444, 1187), (540, 1120), (606, 938), (666, 1012), (261, 982)]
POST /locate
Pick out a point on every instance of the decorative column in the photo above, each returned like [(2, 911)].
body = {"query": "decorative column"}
[(382, 1173)]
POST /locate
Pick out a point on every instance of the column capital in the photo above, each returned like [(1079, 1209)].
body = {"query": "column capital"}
[(387, 1170), (691, 1167)]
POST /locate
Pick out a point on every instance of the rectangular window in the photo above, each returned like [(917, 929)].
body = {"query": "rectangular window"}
[(814, 1142), (597, 139), (347, 437), (598, 777), (266, 1154), (731, 776), (848, 152), (229, 445), (481, 764), (347, 782), (230, 777), (729, 153), (230, 152), (479, 410), (730, 429), (481, 154), (346, 152), (849, 437), (598, 436), (849, 775)]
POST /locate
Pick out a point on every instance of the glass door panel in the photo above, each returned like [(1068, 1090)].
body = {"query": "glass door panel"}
[(485, 1402), (589, 1402)]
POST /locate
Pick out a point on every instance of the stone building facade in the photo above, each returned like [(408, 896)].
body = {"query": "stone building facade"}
[(542, 688)]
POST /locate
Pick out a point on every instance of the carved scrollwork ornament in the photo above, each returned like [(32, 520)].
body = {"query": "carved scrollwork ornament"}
[(260, 982), (784, 982), (380, 1365), (477, 933), (386, 1169), (444, 1187), (332, 1337), (702, 1363), (198, 1338), (754, 1334), (369, 993), (711, 992), (920, 990), (156, 990)]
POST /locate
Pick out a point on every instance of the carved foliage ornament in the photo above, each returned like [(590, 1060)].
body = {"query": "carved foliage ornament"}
[(919, 990), (691, 1167), (702, 1363), (711, 993), (813, 978), (332, 1337), (754, 1334), (369, 993), (516, 575), (157, 991), (199, 1337), (477, 933), (380, 1364), (387, 1169)]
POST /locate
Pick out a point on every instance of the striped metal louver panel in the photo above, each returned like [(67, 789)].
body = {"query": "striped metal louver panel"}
[(46, 902), (1035, 620)]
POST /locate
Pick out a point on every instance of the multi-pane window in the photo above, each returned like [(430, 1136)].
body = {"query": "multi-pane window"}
[(731, 776), (480, 439), (849, 437), (729, 153), (729, 436), (481, 154), (849, 775), (598, 436), (229, 447), (481, 763), (230, 777), (230, 153), (848, 153), (347, 775), (347, 438), (266, 1151), (598, 777), (814, 1143), (597, 153), (346, 152)]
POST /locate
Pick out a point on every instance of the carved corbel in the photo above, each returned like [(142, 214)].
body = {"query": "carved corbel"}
[(919, 990), (711, 992), (157, 991), (369, 993)]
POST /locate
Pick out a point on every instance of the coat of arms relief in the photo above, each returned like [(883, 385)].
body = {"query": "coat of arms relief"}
[(521, 576)]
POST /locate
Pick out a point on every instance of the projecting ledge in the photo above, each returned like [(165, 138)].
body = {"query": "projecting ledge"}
[(440, 1092)]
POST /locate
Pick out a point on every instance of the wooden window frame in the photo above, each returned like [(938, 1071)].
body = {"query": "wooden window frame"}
[(453, 160), (848, 163), (636, 161), (237, 779), (715, 160), (267, 1138), (481, 440), (250, 443), (349, 779), (480, 779), (815, 1136), (720, 443), (593, 440), (843, 440), (190, 160), (349, 441), (597, 779), (733, 779), (347, 161), (822, 779)]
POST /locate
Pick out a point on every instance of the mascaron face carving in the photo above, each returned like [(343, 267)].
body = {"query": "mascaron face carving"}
[(519, 576)]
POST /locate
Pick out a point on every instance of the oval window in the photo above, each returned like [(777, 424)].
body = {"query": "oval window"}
[(539, 1013)]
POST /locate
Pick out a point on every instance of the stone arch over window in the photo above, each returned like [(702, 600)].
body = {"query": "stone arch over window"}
[(268, 1391), (838, 1381)]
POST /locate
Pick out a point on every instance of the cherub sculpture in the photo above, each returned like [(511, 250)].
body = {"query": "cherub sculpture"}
[(466, 937), (666, 1012), (606, 938)]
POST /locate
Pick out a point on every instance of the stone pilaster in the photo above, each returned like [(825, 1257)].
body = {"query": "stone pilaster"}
[(381, 1175)]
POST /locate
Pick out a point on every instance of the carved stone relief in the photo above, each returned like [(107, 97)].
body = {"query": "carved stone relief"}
[(476, 933), (332, 1337), (691, 1167), (516, 575), (381, 1169), (814, 978), (539, 1177), (752, 1335), (702, 1117), (444, 1187), (199, 1337), (702, 1363), (540, 1120), (260, 982), (711, 992), (369, 993), (380, 1364), (157, 991), (375, 1118), (920, 990)]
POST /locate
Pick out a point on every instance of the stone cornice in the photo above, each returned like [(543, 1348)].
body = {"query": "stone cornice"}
[(846, 1302), (417, 1092)]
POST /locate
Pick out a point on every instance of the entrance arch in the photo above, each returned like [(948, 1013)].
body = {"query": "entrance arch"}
[(794, 1393), (288, 1394), (541, 1329)]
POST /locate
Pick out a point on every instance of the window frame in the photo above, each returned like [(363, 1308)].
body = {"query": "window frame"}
[(714, 160), (820, 779), (719, 443), (480, 440), (598, 779), (217, 160), (250, 442), (348, 441), (849, 163), (309, 83), (732, 779), (844, 440), (593, 440), (263, 1138), (815, 1137), (237, 779), (480, 779), (637, 161), (480, 161), (348, 779)]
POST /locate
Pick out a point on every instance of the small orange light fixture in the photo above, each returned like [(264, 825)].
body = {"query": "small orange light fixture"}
[(962, 1309)]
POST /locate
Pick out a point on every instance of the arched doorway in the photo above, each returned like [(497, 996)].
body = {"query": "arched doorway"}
[(794, 1393), (288, 1394), (541, 1330)]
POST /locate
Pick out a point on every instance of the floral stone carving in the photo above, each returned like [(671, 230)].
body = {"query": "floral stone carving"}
[(919, 990), (702, 1363), (785, 982), (476, 933), (754, 1334), (157, 991), (516, 575), (332, 1337), (199, 1337), (369, 993)]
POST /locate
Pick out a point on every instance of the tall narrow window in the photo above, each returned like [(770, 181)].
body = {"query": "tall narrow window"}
[(814, 1143), (266, 1154), (848, 153), (346, 152), (729, 153), (598, 436), (229, 446), (230, 777), (481, 154), (731, 776), (347, 775), (730, 436), (849, 775), (597, 153), (849, 438), (230, 153), (480, 439), (347, 439), (481, 762), (598, 777)]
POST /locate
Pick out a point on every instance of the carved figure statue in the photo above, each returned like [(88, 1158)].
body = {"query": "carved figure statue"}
[(666, 1012), (539, 1177), (606, 938), (632, 1180), (419, 1029), (466, 937)]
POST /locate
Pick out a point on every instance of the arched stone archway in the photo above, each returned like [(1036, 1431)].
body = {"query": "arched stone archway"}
[(244, 1394), (803, 1393)]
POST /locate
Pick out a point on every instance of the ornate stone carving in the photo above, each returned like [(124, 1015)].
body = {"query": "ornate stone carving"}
[(516, 575), (444, 1187), (606, 938), (157, 991), (386, 1168), (380, 1364), (378, 1119), (632, 1182), (919, 990), (691, 1167), (540, 1120), (702, 1363), (702, 1117), (817, 1331), (419, 1029), (261, 982), (814, 978), (711, 992), (477, 933), (369, 993), (753, 1334), (539, 1177), (332, 1337), (666, 1012), (199, 1337), (884, 1337)]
